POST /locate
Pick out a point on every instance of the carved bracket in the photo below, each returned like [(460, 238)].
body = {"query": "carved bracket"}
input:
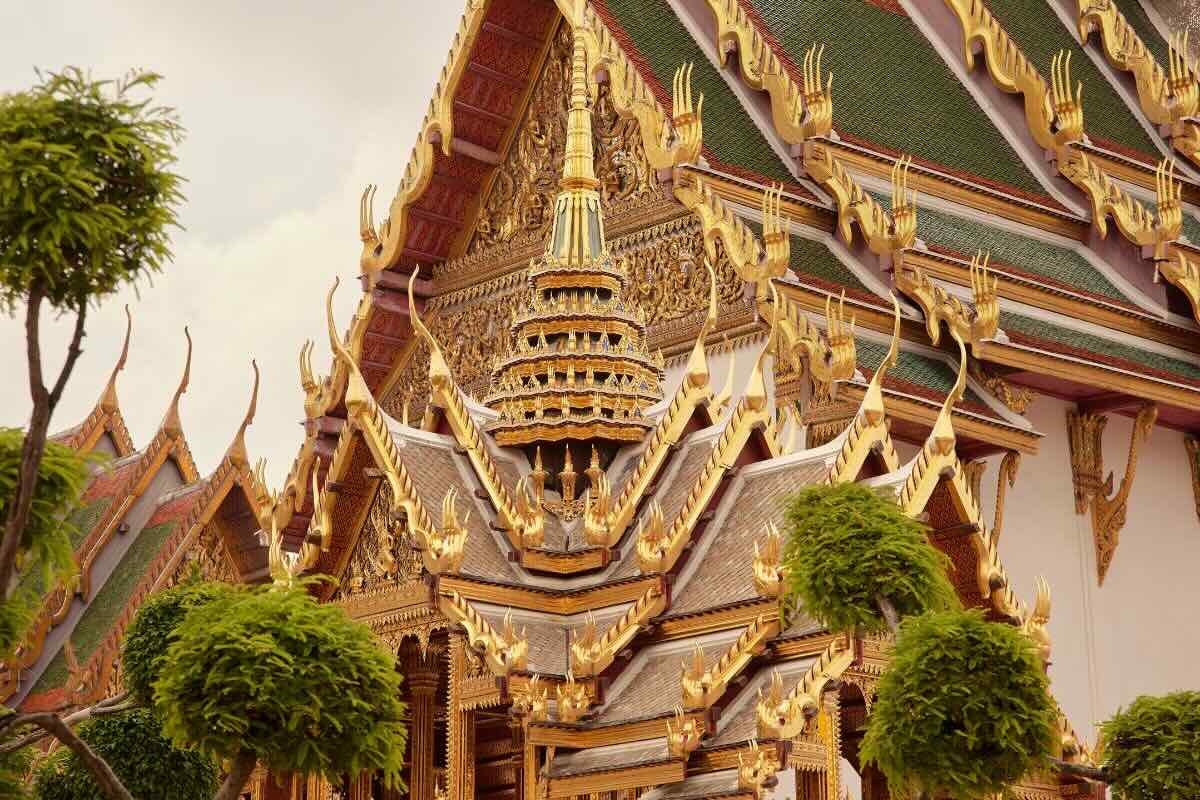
[(1085, 432)]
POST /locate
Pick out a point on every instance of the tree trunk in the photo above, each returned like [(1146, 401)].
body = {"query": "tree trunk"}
[(1080, 771), (889, 613), (102, 773), (34, 446), (239, 773)]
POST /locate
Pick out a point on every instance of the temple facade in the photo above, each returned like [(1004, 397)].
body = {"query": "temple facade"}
[(651, 268)]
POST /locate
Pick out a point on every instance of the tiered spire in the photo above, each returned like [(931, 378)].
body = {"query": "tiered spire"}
[(576, 366)]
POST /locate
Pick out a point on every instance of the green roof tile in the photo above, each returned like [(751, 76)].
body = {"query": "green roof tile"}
[(82, 520), (1191, 228), (917, 369), (814, 259), (1137, 358), (1040, 34), (729, 133), (892, 88), (106, 607), (1025, 253)]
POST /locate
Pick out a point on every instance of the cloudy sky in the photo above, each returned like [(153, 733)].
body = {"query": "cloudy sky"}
[(290, 110)]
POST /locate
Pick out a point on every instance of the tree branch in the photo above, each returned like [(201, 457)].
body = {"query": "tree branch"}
[(74, 351), (889, 613), (112, 705), (34, 446), (239, 773), (105, 778), (1080, 770)]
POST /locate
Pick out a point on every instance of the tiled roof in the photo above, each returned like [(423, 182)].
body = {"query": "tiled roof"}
[(1136, 16), (106, 607), (920, 375), (688, 464), (654, 688), (548, 638), (1045, 335), (433, 471), (621, 756), (1040, 34), (710, 784), (1014, 252), (892, 89), (724, 574), (662, 43)]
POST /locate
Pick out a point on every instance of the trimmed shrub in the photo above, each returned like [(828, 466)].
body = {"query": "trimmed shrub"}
[(963, 710), (153, 629), (1152, 748), (846, 545), (297, 683), (143, 758)]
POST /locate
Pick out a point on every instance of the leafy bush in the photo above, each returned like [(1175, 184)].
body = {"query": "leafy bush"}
[(297, 683), (143, 758), (86, 194), (963, 710), (14, 767), (152, 629), (46, 550), (845, 546), (1152, 748)]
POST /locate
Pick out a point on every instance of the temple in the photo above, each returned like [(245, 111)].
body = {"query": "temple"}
[(642, 279)]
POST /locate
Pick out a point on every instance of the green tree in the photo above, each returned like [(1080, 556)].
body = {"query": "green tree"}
[(274, 677), (145, 760), (87, 199), (964, 707), (856, 562)]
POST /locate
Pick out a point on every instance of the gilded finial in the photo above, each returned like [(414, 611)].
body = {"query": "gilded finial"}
[(439, 370), (237, 450), (943, 429), (171, 423), (357, 393), (697, 367), (108, 398)]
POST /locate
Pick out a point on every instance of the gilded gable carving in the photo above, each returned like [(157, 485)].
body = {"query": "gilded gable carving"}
[(522, 195), (208, 555), (668, 280), (384, 554)]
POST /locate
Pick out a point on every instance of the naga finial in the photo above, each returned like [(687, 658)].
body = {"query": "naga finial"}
[(237, 450), (942, 435), (358, 396), (696, 372), (171, 423), (440, 376), (108, 398)]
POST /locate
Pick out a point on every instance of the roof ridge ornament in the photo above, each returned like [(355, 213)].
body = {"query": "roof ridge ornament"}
[(237, 449), (171, 424), (108, 398)]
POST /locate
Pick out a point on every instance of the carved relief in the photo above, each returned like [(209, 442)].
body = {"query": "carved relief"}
[(1086, 438), (521, 200), (668, 282), (384, 554), (207, 554)]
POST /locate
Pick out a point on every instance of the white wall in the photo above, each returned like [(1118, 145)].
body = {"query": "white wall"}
[(1138, 633)]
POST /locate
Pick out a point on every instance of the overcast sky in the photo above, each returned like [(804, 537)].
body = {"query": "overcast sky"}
[(290, 110)]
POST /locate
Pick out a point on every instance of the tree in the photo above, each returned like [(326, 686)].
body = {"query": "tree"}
[(87, 198), (964, 707), (145, 760), (270, 676), (855, 561)]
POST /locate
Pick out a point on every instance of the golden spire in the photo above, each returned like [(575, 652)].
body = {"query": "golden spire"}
[(578, 236), (237, 450)]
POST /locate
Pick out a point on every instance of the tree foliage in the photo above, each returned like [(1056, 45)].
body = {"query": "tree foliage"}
[(963, 710), (45, 547), (152, 631), (87, 195), (294, 682), (846, 546), (1152, 748), (14, 767), (144, 759)]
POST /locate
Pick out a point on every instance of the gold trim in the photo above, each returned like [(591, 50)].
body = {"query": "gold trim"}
[(703, 686), (782, 716), (590, 655)]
